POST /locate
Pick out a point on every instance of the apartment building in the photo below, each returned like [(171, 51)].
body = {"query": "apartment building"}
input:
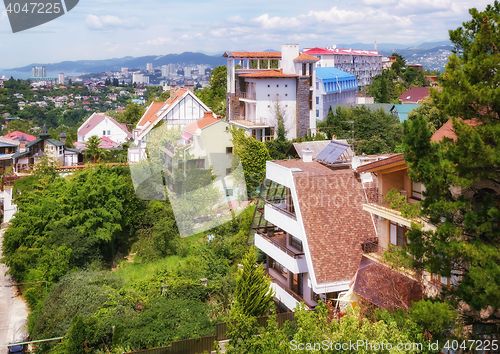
[(364, 64), (263, 85), (311, 226), (333, 88)]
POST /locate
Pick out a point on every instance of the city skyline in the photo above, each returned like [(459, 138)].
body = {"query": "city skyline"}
[(112, 28)]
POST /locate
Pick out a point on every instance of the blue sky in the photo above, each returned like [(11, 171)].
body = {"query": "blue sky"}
[(100, 29)]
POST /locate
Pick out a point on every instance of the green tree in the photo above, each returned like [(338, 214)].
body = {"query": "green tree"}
[(214, 96), (471, 79), (131, 115), (280, 147), (370, 132), (252, 296), (461, 177), (93, 151), (253, 155)]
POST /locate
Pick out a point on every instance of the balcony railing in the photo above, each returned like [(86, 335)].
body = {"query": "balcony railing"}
[(248, 95), (278, 239), (282, 206)]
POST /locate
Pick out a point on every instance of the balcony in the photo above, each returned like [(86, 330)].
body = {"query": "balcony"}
[(283, 293), (274, 245), (247, 96)]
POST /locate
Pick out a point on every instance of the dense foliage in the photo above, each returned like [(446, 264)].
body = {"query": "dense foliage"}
[(462, 177), (370, 132), (214, 96), (387, 86)]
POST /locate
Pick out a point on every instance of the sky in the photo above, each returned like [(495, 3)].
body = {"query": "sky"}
[(102, 29)]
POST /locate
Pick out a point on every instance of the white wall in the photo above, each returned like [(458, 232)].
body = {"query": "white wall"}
[(270, 91), (116, 133), (288, 53)]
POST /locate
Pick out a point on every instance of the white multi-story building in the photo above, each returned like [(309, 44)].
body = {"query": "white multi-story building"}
[(60, 79), (39, 72), (263, 85), (333, 88), (103, 126), (140, 79), (364, 64), (310, 225), (149, 68)]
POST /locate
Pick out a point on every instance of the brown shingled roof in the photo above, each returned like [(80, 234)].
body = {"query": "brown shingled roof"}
[(330, 202), (385, 287)]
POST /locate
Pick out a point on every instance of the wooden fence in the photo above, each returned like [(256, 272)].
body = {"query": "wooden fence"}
[(208, 344)]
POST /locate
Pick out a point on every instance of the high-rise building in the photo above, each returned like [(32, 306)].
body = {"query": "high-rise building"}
[(60, 79), (39, 72), (124, 71), (140, 79), (164, 71), (149, 68)]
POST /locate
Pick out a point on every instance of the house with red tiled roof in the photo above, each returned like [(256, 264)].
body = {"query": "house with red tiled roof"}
[(20, 136), (103, 126), (311, 226), (183, 107), (205, 144), (414, 95), (446, 131)]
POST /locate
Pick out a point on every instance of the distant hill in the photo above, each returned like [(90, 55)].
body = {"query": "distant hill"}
[(96, 66), (433, 55)]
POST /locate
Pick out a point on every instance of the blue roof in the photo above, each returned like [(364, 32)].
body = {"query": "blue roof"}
[(333, 73), (403, 110)]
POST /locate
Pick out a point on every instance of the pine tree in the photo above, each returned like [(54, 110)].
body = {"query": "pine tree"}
[(462, 177), (252, 296)]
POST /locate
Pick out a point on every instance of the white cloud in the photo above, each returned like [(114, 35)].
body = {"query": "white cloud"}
[(271, 22), (158, 41), (107, 22)]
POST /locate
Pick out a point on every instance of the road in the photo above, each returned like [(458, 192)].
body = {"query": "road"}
[(13, 309)]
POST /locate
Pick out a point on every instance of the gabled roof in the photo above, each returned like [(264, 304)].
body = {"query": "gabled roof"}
[(156, 111), (150, 114), (330, 203), (303, 57), (447, 130), (20, 136), (270, 55), (318, 51), (95, 119), (6, 142), (414, 95), (384, 287), (263, 74)]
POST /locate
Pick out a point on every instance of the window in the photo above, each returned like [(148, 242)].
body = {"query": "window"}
[(417, 190), (268, 95), (277, 85), (228, 171), (103, 132), (229, 150), (109, 132), (286, 85), (229, 192), (286, 94), (317, 99), (296, 283), (268, 85), (317, 113), (397, 234)]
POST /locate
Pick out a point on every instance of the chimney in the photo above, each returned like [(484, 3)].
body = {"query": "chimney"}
[(288, 53), (307, 155)]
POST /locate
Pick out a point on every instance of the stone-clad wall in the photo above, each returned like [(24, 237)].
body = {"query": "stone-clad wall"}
[(303, 91)]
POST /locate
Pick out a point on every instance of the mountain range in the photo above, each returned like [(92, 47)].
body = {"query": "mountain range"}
[(433, 55)]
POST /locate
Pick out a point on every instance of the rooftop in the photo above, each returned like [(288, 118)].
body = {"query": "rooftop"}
[(20, 136), (263, 74), (330, 203), (305, 58), (414, 95), (341, 51), (97, 118), (333, 73), (256, 55), (394, 161), (447, 130), (208, 119)]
